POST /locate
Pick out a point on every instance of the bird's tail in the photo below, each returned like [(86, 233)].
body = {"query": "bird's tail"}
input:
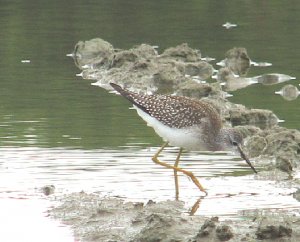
[(130, 96), (118, 88), (125, 93)]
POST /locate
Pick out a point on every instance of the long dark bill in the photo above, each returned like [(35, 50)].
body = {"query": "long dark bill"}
[(245, 158)]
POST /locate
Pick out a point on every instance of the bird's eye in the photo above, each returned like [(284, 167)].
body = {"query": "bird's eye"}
[(233, 142)]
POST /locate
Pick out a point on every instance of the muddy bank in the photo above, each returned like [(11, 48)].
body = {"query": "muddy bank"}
[(181, 70), (178, 70), (97, 218)]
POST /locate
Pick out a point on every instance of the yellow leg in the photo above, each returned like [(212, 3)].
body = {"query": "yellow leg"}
[(188, 173), (176, 176), (160, 150)]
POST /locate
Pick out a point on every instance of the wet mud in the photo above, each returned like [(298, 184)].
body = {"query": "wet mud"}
[(181, 71), (97, 218)]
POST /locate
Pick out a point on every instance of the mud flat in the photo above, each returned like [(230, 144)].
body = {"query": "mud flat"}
[(97, 218), (180, 70)]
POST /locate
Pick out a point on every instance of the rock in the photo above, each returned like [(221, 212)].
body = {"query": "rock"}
[(93, 51), (296, 195), (255, 145), (224, 232), (161, 223), (289, 92), (145, 51), (282, 141), (237, 60), (224, 74), (248, 130), (193, 89), (182, 53), (155, 230), (124, 57), (207, 230), (271, 231), (138, 56), (48, 189), (201, 69), (167, 78), (258, 117), (279, 144), (284, 163)]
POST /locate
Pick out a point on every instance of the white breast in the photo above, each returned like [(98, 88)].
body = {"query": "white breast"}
[(187, 138)]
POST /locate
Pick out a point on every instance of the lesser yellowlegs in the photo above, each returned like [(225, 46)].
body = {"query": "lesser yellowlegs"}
[(187, 123)]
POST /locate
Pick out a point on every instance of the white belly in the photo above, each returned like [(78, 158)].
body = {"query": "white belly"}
[(188, 138)]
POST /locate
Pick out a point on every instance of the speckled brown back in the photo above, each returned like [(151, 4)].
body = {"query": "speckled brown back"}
[(174, 111)]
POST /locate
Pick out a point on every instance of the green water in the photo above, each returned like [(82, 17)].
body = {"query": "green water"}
[(43, 103)]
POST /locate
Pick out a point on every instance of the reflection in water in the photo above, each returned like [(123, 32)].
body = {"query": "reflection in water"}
[(289, 92), (23, 132), (195, 206), (25, 61), (232, 82), (260, 64), (137, 178), (207, 59), (273, 78)]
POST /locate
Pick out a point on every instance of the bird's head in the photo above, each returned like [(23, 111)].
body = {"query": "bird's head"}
[(233, 140)]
